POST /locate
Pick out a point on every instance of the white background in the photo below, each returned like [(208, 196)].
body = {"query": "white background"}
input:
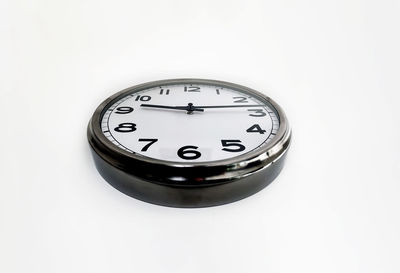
[(332, 65)]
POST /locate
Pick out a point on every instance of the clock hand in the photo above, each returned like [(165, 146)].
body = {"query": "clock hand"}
[(228, 106), (189, 108)]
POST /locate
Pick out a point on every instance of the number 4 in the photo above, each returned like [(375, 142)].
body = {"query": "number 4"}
[(255, 129)]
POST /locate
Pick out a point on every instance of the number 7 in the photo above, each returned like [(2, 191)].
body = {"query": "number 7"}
[(147, 146)]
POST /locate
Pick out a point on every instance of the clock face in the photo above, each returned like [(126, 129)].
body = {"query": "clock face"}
[(190, 122)]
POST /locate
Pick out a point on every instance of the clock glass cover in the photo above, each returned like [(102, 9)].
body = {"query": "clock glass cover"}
[(190, 122)]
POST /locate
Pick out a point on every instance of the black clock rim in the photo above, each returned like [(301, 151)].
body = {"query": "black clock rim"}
[(192, 173)]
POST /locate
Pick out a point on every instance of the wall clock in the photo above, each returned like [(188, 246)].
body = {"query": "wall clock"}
[(189, 142)]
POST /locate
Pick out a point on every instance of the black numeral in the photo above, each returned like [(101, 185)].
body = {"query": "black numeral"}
[(192, 89), (143, 98), (255, 129), (189, 152), (260, 112), (217, 91), (166, 92), (124, 110), (232, 143), (240, 99), (125, 127), (147, 146)]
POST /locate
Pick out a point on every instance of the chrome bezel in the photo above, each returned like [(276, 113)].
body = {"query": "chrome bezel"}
[(192, 173)]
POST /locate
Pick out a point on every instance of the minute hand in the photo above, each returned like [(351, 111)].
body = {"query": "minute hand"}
[(228, 106)]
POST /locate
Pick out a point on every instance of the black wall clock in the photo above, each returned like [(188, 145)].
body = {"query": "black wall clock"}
[(189, 142)]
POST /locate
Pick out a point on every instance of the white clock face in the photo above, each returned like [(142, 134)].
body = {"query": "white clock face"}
[(220, 122)]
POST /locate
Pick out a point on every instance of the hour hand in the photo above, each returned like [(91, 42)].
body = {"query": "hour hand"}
[(189, 108)]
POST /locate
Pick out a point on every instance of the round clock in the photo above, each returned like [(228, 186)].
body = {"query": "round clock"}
[(189, 142)]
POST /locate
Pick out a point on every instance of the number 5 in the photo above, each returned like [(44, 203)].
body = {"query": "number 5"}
[(231, 143)]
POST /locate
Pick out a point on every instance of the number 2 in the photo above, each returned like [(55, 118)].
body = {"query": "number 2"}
[(240, 99), (192, 89)]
